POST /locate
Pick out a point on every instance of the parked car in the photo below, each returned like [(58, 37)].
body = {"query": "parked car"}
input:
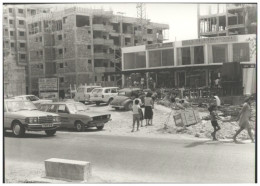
[(125, 97), (75, 115), (103, 95), (83, 93), (22, 115), (36, 101)]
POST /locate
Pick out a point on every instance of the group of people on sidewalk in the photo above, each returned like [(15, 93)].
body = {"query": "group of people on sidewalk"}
[(138, 115)]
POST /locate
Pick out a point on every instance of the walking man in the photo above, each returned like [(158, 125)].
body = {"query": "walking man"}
[(243, 119)]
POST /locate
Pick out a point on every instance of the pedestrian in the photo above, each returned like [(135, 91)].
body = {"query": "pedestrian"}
[(140, 110), (243, 119), (136, 115), (148, 109), (213, 117)]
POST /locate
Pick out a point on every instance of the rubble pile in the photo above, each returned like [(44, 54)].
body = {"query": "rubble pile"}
[(204, 128)]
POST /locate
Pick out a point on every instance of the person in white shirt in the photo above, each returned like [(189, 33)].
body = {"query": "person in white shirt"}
[(140, 110), (136, 115)]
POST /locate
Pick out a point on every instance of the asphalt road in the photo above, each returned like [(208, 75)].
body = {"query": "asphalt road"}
[(140, 159)]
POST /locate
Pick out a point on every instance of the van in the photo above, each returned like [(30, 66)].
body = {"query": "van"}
[(83, 93), (103, 95)]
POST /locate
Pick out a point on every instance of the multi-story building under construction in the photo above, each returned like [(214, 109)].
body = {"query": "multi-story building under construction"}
[(226, 19), (83, 46), (15, 46)]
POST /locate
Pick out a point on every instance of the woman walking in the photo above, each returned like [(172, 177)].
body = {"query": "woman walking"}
[(148, 109), (243, 119)]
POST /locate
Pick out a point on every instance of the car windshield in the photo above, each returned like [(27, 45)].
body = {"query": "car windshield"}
[(97, 91), (76, 107), (14, 106), (32, 98)]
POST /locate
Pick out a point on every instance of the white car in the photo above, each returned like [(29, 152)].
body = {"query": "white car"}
[(83, 93), (36, 101), (103, 95), (22, 115)]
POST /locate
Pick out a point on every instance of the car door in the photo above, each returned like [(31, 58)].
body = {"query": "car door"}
[(114, 92), (64, 115), (106, 94)]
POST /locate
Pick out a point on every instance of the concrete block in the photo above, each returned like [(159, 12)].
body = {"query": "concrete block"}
[(67, 169)]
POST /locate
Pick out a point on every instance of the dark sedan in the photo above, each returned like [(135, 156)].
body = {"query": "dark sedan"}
[(76, 115), (124, 99)]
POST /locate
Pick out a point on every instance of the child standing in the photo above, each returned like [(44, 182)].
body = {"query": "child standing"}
[(213, 117), (136, 115)]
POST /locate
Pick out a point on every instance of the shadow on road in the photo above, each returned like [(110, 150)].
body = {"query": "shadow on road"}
[(207, 142), (210, 142), (28, 135), (86, 130)]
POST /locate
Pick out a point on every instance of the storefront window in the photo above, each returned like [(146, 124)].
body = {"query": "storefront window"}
[(195, 79), (241, 52), (140, 61), (185, 56), (155, 58), (129, 59), (167, 57), (134, 60), (220, 53), (198, 55)]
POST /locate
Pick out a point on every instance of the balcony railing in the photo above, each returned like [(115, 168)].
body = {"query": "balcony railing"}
[(101, 41), (100, 55), (104, 69), (101, 27)]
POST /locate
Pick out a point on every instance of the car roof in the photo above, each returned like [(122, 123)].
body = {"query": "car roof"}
[(129, 89), (105, 87), (13, 99), (61, 102), (89, 86)]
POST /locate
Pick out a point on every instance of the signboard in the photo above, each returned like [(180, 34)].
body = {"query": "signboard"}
[(209, 40), (48, 84), (248, 65), (159, 45), (187, 118)]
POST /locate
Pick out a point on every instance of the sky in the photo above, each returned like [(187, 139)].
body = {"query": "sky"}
[(181, 18)]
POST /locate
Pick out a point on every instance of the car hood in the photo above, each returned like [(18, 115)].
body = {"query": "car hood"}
[(119, 99), (43, 101), (33, 113), (90, 113)]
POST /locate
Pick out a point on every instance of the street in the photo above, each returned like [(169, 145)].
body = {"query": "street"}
[(135, 159)]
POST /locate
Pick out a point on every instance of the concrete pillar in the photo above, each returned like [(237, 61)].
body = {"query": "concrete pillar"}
[(147, 79), (192, 55), (230, 52), (206, 54), (123, 80)]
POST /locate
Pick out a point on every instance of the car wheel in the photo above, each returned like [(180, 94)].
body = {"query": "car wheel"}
[(18, 129), (50, 132), (79, 126), (100, 127), (129, 106), (97, 103)]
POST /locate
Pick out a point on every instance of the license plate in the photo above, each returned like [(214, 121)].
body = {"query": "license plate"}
[(47, 125), (99, 124), (95, 95)]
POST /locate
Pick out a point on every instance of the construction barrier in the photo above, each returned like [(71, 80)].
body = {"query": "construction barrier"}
[(186, 118)]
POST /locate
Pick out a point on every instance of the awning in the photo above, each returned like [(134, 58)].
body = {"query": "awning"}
[(175, 68)]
